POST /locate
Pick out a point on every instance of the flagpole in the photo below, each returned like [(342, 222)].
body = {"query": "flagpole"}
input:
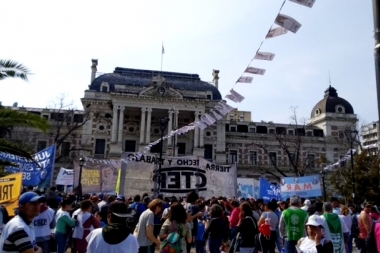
[(162, 54)]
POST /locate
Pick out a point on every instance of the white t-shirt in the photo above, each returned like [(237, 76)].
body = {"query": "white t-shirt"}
[(96, 244)]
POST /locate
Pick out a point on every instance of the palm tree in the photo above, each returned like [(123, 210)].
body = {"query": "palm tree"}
[(10, 118), (13, 69)]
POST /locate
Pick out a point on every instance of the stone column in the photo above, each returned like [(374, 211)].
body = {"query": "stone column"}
[(175, 125), (196, 132), (121, 125), (148, 123), (170, 126), (142, 125), (114, 126), (201, 138)]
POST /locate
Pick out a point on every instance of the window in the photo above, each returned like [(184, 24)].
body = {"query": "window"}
[(310, 161), (181, 148), (41, 145), (100, 146), (341, 135), (208, 151), (130, 146), (233, 129), (252, 130), (290, 132), (271, 131), (45, 117), (273, 158), (233, 156), (253, 157), (156, 148), (342, 163), (65, 148), (291, 157), (208, 96), (308, 133), (78, 118)]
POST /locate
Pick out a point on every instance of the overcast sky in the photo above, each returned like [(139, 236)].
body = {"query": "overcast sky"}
[(57, 41)]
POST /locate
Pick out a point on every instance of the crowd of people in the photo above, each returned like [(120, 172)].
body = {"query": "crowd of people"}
[(53, 222)]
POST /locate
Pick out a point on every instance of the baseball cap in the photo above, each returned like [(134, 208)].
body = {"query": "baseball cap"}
[(29, 197), (119, 209), (315, 220), (120, 198)]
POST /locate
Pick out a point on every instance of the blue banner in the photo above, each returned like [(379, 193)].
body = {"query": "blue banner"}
[(248, 188), (304, 187), (269, 191), (32, 174)]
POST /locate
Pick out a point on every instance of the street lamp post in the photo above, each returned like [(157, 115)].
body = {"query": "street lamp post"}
[(81, 163), (163, 123), (323, 173), (351, 136)]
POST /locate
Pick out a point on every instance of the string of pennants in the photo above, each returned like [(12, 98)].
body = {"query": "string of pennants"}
[(208, 119), (285, 23), (342, 159)]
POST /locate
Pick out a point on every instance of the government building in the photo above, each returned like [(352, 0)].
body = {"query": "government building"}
[(123, 109)]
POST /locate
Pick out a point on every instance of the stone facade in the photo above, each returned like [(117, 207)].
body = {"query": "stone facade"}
[(124, 107)]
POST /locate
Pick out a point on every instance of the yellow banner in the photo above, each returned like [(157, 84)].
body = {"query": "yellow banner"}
[(10, 188), (117, 188)]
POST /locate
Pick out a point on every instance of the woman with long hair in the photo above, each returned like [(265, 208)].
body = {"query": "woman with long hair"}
[(215, 229), (270, 218), (247, 228), (85, 222), (177, 222), (63, 224), (346, 217), (193, 213)]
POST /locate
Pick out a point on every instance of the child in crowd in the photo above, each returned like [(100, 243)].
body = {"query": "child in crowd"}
[(99, 218)]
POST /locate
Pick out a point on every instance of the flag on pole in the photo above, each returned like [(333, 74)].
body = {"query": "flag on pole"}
[(163, 49)]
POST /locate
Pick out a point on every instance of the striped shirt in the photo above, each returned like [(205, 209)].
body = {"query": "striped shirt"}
[(17, 236)]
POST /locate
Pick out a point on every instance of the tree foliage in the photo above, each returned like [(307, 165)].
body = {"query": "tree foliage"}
[(366, 178), (13, 69)]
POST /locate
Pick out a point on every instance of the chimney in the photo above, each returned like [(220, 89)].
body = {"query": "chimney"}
[(215, 80), (93, 69)]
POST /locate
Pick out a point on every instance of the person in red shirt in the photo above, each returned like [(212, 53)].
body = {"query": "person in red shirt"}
[(234, 218)]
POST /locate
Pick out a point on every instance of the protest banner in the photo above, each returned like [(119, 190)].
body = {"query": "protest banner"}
[(34, 173), (269, 191), (65, 177), (97, 177), (305, 187), (179, 175), (10, 188), (248, 188)]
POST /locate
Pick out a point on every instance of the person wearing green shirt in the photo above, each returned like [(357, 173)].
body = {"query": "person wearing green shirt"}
[(64, 223), (292, 224)]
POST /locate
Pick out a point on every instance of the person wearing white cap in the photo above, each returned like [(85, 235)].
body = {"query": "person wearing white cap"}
[(315, 242), (306, 205)]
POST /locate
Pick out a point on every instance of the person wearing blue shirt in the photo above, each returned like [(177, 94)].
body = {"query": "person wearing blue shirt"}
[(200, 243)]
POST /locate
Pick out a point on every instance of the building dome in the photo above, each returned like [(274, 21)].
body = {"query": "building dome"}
[(331, 103)]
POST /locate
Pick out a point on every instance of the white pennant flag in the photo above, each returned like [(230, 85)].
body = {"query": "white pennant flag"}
[(307, 3), (245, 79), (216, 115), (287, 23), (223, 108), (208, 120), (274, 32), (232, 98), (200, 124), (255, 71), (264, 56), (237, 95)]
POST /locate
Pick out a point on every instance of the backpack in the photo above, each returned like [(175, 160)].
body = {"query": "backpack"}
[(355, 226), (172, 243)]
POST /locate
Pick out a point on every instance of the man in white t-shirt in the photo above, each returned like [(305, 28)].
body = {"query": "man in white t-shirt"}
[(115, 236)]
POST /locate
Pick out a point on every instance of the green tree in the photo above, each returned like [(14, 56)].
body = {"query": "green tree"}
[(10, 118), (13, 69), (367, 179)]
